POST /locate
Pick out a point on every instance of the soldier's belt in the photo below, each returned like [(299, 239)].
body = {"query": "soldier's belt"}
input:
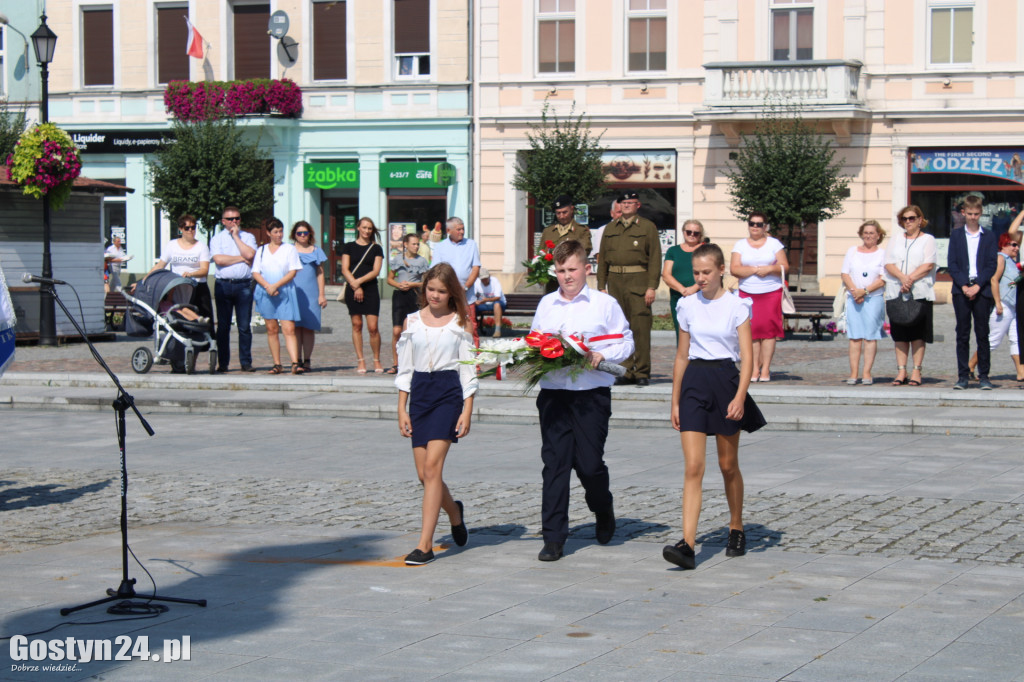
[(626, 269)]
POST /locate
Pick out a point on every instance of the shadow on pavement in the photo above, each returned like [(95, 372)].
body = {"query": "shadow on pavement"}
[(43, 495)]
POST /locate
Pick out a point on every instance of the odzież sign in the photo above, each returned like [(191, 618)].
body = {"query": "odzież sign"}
[(330, 175)]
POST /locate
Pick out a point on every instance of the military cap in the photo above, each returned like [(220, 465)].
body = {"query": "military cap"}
[(561, 202), (630, 194)]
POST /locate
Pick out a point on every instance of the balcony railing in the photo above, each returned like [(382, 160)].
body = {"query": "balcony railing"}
[(745, 84)]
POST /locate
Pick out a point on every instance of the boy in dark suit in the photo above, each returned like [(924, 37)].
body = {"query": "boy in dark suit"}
[(971, 264)]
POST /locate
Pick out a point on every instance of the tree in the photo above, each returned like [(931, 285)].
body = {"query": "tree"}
[(787, 171), (564, 158), (208, 167), (12, 125)]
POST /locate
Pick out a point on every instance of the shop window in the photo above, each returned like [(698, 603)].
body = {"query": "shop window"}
[(648, 21), (251, 42), (97, 46), (172, 60), (556, 36), (952, 35), (792, 30), (412, 38), (330, 41)]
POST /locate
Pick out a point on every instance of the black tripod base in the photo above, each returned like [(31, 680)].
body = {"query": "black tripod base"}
[(126, 591)]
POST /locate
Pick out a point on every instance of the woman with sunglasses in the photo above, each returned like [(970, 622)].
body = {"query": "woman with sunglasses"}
[(189, 257), (910, 266), (677, 271), (1003, 320), (759, 262), (309, 289)]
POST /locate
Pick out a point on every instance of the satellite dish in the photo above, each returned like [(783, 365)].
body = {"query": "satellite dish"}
[(287, 51), (278, 25)]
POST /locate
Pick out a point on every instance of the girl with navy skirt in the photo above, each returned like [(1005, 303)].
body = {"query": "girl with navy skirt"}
[(435, 396), (709, 396)]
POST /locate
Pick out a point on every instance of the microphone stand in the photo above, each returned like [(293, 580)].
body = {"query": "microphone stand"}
[(126, 590)]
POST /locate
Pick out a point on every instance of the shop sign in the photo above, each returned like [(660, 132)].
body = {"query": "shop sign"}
[(120, 141), (419, 175), (646, 168), (1005, 164), (330, 175)]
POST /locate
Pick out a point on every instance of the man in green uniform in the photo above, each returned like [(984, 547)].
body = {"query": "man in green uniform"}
[(629, 269), (564, 229)]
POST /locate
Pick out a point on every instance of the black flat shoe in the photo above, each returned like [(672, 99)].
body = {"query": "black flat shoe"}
[(552, 551), (680, 554), (605, 526), (418, 557), (460, 533)]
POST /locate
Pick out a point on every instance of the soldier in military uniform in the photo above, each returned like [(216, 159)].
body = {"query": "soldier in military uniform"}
[(564, 229), (629, 269)]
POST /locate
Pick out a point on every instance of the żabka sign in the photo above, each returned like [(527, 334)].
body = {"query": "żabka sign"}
[(1006, 164), (330, 175)]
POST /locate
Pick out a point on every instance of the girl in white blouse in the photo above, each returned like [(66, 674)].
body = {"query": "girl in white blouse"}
[(435, 396), (709, 396)]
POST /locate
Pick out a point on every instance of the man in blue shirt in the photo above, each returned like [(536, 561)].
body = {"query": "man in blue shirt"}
[(464, 257)]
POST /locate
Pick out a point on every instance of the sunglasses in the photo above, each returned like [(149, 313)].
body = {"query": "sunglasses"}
[(232, 219), (691, 233), (754, 223), (188, 228), (909, 218), (302, 234)]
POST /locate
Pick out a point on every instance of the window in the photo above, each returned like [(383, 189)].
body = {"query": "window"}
[(330, 33), (97, 46), (792, 31), (252, 44), (412, 38), (647, 25), (952, 36), (171, 29), (556, 36)]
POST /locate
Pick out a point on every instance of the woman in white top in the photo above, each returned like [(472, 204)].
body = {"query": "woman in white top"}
[(709, 396), (189, 257), (910, 266), (863, 276), (759, 262), (435, 396), (274, 268)]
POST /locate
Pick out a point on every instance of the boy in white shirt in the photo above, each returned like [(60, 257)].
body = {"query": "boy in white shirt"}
[(574, 410)]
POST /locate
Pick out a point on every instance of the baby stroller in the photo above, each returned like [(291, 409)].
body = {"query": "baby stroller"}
[(153, 312)]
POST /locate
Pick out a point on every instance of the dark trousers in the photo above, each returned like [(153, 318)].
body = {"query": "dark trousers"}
[(233, 296), (573, 429), (965, 309)]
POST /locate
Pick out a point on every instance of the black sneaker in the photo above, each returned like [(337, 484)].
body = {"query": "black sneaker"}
[(248, 368), (737, 543), (460, 533), (552, 551), (680, 554), (418, 558), (605, 525)]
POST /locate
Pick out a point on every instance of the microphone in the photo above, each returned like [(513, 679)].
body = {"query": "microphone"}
[(29, 278)]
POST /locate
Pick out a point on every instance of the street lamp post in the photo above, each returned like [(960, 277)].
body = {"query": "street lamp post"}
[(44, 41)]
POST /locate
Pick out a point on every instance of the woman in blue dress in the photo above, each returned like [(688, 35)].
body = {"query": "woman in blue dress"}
[(309, 285), (274, 270)]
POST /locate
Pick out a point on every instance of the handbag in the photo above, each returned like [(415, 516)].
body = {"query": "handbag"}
[(788, 307), (344, 287), (904, 310)]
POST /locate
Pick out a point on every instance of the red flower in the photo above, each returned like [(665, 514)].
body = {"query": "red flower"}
[(552, 348), (548, 256), (549, 244), (536, 339), (1020, 266)]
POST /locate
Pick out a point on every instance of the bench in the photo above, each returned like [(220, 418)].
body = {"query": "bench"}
[(813, 308), (516, 305), (113, 303)]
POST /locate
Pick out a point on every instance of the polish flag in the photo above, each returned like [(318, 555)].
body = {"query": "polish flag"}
[(194, 48)]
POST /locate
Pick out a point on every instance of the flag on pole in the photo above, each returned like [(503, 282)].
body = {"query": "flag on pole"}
[(194, 47)]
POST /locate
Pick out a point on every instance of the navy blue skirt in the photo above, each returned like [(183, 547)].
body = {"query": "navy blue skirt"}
[(435, 403), (708, 388)]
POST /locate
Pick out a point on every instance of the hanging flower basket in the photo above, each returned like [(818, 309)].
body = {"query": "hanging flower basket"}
[(45, 162)]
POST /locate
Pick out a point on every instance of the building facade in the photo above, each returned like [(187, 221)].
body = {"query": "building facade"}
[(384, 130)]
